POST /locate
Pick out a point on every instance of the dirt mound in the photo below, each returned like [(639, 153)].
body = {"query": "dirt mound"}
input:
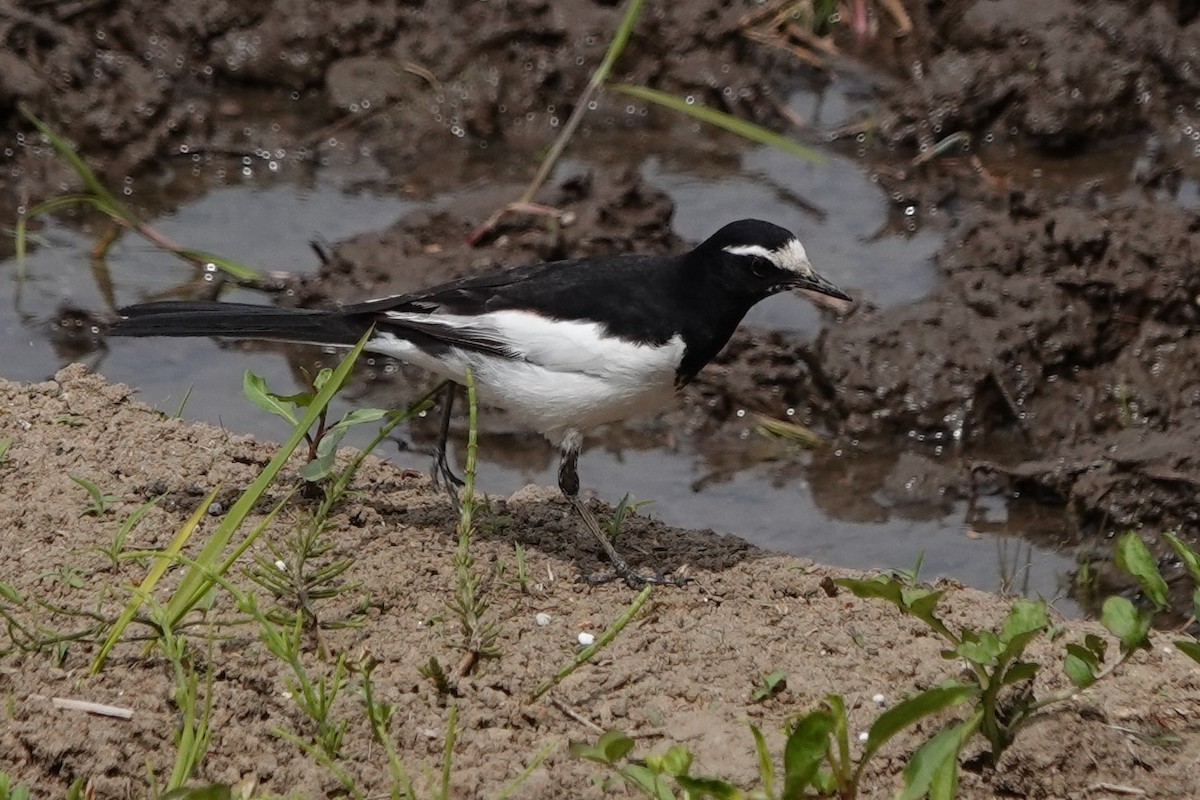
[(682, 673)]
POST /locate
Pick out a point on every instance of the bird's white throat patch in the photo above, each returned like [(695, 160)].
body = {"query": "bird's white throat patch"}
[(791, 256)]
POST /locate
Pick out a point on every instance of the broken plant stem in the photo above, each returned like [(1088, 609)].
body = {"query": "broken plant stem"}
[(620, 39)]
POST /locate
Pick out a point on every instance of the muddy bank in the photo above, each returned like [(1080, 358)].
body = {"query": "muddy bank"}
[(682, 673), (1053, 360)]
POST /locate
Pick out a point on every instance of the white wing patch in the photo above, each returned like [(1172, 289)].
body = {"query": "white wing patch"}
[(791, 256)]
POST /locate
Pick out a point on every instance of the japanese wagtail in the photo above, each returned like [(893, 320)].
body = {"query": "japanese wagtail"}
[(563, 346)]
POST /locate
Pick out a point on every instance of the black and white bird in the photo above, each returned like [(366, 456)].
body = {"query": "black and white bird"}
[(563, 346)]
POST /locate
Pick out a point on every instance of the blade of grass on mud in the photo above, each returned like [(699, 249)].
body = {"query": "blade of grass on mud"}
[(200, 576), (159, 568), (741, 127), (79, 166), (103, 200), (196, 582), (588, 653), (615, 48)]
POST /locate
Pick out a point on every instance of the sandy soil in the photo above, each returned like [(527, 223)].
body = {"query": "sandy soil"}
[(683, 672), (1056, 358)]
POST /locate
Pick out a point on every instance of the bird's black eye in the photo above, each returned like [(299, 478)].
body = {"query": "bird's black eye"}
[(760, 266)]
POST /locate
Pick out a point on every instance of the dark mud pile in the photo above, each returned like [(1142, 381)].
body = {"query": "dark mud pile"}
[(1065, 331), (1057, 357)]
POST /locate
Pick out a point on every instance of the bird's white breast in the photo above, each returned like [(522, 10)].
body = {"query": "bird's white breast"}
[(562, 374)]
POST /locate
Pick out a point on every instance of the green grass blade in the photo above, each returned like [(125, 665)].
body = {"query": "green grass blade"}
[(617, 45), (743, 128), (235, 269), (196, 583), (21, 233), (155, 573), (78, 165)]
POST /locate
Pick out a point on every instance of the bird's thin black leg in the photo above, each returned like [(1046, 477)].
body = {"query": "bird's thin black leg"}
[(441, 473), (568, 483)]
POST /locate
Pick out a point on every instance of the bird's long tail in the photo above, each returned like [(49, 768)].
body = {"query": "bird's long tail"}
[(240, 321)]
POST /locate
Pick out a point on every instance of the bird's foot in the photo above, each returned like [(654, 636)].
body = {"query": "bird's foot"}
[(621, 569), (443, 478)]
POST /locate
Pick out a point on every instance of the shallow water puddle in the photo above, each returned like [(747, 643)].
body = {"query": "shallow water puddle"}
[(843, 218)]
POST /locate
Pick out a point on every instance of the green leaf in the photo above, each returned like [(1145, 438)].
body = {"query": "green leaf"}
[(766, 767), (881, 588), (1134, 557), (1081, 665), (910, 711), (1191, 649), (322, 465), (976, 653), (944, 785), (1189, 557), (929, 763), (1025, 617), (610, 748), (1121, 618), (804, 751), (78, 165), (647, 780), (677, 760), (359, 416), (770, 685), (1020, 671), (703, 786), (741, 127), (10, 593), (922, 603), (255, 389)]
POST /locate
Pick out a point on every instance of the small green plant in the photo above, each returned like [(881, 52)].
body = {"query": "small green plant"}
[(115, 550), (5, 445), (10, 790), (379, 715), (433, 672), (769, 685), (193, 731), (100, 500), (323, 440), (1135, 558), (626, 508), (478, 629), (298, 574), (603, 640), (1000, 688)]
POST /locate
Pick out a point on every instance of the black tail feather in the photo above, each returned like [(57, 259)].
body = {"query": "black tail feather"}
[(240, 321)]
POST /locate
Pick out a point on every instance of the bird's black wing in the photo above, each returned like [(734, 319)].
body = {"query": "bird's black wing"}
[(618, 292), (469, 295)]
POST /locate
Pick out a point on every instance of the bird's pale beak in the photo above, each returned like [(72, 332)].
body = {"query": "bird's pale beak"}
[(823, 293)]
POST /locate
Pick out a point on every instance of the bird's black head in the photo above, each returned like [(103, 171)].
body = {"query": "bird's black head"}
[(758, 259)]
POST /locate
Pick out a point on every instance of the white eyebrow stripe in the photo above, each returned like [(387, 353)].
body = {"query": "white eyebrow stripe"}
[(791, 256), (752, 250)]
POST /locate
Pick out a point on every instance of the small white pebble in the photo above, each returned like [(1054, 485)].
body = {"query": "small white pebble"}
[(863, 736), (280, 565), (879, 699), (542, 619), (586, 638)]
